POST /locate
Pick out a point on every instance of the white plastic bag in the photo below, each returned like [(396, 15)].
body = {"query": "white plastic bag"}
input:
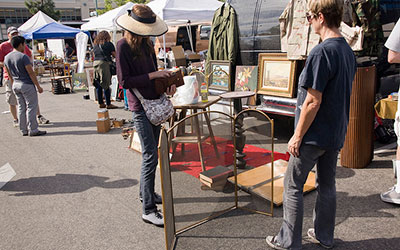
[(188, 93)]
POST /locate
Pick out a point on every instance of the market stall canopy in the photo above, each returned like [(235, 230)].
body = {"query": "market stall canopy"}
[(193, 10), (36, 21), (106, 21), (53, 31)]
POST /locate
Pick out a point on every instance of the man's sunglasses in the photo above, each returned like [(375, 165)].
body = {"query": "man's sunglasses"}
[(310, 16)]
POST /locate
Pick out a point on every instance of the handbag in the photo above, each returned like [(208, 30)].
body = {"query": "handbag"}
[(113, 65), (157, 110), (162, 84)]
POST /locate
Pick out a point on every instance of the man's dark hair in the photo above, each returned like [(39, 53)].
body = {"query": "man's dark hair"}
[(16, 41)]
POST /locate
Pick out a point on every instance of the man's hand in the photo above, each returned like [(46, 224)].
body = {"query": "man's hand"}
[(294, 145), (39, 89), (171, 90)]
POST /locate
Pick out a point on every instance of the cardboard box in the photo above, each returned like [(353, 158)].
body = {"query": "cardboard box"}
[(102, 113), (103, 125), (179, 55), (193, 57)]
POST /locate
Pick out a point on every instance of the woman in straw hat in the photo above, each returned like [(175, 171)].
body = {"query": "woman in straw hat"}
[(136, 68)]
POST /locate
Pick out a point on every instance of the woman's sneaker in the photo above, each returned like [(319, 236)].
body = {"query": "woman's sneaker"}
[(154, 218), (43, 120)]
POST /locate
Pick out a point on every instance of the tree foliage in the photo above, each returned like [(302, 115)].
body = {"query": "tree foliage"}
[(111, 4), (46, 6)]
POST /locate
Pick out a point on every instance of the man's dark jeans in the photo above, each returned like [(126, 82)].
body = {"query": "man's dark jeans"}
[(148, 134)]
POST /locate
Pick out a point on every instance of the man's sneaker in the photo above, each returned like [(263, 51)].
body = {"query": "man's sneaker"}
[(25, 134), (313, 239), (391, 196), (154, 218), (15, 123), (38, 133), (271, 241), (42, 120), (157, 198), (102, 106)]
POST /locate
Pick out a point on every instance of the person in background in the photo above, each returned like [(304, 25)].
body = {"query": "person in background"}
[(23, 81), (68, 51), (103, 50), (393, 44), (6, 48), (137, 68), (321, 119)]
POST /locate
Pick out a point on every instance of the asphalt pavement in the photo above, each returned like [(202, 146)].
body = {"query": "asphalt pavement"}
[(77, 189)]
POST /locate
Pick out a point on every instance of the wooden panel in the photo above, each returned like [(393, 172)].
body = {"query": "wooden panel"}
[(258, 181), (166, 187), (357, 151)]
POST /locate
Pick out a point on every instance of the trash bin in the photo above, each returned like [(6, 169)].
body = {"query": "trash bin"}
[(357, 151)]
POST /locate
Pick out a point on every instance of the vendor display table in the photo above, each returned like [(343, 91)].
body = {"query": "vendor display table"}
[(386, 108), (195, 136)]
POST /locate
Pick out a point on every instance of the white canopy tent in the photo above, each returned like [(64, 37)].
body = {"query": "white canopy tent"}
[(184, 11), (193, 10), (36, 21), (106, 21)]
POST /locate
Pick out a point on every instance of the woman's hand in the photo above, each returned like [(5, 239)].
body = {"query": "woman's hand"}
[(159, 74), (171, 90)]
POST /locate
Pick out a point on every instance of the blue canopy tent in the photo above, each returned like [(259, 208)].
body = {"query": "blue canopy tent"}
[(53, 31)]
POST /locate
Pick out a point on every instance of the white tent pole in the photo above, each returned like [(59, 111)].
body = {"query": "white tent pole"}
[(165, 51), (189, 32)]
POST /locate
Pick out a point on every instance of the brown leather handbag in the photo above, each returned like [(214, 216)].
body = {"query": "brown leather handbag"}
[(161, 84)]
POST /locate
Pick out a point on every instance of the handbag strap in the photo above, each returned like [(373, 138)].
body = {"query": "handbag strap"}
[(102, 51), (137, 94)]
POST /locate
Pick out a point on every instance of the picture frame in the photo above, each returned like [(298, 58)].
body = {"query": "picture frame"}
[(246, 78), (276, 75), (217, 78)]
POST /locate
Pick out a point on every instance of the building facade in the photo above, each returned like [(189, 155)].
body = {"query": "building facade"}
[(15, 13)]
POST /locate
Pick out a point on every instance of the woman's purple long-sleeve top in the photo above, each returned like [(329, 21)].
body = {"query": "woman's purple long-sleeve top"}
[(134, 73)]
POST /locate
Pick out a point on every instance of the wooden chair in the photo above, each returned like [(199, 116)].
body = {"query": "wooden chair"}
[(55, 77)]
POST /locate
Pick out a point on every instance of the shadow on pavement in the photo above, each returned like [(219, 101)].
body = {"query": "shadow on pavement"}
[(378, 243), (62, 184), (84, 124)]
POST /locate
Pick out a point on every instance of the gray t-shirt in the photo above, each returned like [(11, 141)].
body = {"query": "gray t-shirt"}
[(393, 41), (330, 69), (16, 61)]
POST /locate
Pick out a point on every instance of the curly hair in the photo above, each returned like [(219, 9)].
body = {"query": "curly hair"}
[(102, 37), (331, 9)]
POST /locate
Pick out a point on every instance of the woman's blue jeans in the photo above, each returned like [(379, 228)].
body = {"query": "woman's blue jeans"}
[(148, 135)]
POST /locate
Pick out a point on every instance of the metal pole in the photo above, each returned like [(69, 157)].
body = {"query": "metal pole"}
[(96, 7), (165, 52)]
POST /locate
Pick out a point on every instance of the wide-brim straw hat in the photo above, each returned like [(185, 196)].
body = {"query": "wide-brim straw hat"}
[(142, 26)]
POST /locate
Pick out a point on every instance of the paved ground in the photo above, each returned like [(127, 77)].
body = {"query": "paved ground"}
[(76, 189)]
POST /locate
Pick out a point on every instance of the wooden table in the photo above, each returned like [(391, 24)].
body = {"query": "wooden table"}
[(196, 136), (237, 96)]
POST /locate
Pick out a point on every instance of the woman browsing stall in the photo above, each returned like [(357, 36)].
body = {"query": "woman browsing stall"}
[(103, 51), (137, 69)]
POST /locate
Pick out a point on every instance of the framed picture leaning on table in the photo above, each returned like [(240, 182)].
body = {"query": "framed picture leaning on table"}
[(219, 75), (276, 74)]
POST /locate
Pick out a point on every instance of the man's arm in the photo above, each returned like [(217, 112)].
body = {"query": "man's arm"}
[(393, 56), (307, 115), (32, 75), (9, 75)]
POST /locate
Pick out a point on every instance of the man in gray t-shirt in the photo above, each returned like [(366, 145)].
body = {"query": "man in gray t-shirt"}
[(393, 44), (24, 84)]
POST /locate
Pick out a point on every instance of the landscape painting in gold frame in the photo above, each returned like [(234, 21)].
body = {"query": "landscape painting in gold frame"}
[(276, 75)]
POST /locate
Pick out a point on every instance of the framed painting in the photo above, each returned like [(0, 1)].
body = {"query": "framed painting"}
[(277, 74), (246, 78), (219, 75), (90, 76)]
